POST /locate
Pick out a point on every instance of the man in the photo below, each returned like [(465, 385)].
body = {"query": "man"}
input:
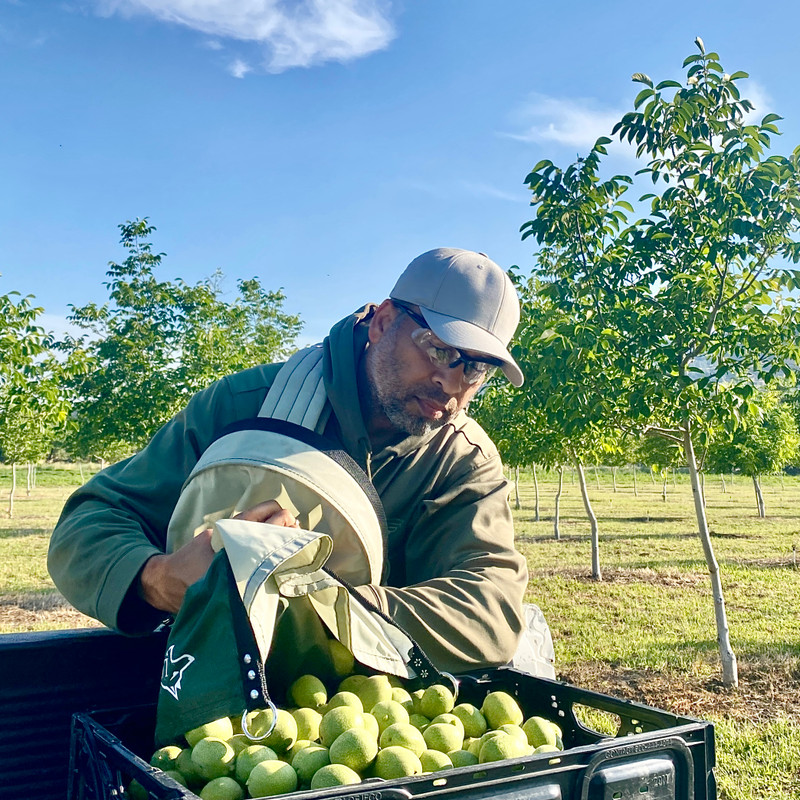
[(398, 378)]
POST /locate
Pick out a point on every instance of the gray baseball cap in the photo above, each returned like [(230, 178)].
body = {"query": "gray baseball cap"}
[(467, 300)]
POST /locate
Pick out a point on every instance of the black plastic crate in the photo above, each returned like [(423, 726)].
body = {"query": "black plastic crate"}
[(653, 755)]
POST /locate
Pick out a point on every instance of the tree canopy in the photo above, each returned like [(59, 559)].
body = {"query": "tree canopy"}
[(667, 321), (156, 342)]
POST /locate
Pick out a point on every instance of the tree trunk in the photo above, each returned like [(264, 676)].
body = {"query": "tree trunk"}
[(724, 487), (665, 474), (13, 489), (535, 495), (587, 504), (703, 486), (29, 480), (556, 529), (614, 478), (762, 512), (517, 503), (674, 480), (730, 672), (635, 490), (596, 475), (80, 468)]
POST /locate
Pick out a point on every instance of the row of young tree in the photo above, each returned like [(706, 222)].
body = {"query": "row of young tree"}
[(766, 442), (137, 359), (673, 318)]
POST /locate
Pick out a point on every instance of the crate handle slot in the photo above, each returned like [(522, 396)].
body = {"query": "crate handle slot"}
[(102, 753), (621, 751)]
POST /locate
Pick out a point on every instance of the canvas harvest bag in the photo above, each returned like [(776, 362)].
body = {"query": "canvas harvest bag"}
[(274, 597)]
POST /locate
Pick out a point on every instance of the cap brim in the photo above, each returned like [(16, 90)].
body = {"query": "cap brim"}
[(466, 336)]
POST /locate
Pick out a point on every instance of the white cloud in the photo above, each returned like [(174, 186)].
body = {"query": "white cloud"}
[(295, 33), (446, 191), (239, 68), (485, 190), (754, 92), (575, 122), (213, 44)]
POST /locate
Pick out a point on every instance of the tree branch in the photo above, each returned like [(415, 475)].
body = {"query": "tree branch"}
[(674, 435)]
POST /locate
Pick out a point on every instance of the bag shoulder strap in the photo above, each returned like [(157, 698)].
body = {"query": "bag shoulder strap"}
[(298, 393)]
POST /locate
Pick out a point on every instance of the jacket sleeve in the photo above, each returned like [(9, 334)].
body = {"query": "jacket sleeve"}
[(117, 520), (466, 580)]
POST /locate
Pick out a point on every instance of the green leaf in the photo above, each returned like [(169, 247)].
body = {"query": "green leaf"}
[(541, 165), (640, 77)]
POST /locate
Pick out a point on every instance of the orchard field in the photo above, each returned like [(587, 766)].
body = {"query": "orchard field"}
[(645, 632)]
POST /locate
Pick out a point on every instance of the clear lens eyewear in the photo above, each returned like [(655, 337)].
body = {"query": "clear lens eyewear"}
[(442, 355)]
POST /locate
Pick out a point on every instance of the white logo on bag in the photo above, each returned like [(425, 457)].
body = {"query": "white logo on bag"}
[(172, 672)]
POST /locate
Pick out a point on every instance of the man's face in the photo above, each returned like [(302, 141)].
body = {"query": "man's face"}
[(415, 395)]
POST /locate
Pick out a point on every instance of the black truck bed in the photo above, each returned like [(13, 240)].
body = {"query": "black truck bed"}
[(45, 678)]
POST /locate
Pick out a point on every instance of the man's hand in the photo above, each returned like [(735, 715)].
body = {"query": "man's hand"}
[(165, 578), (269, 511)]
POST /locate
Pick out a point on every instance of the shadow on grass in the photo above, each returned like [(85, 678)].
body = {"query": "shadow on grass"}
[(611, 535), (35, 600), (20, 533), (755, 518), (670, 572), (781, 657), (692, 534), (606, 536), (565, 537), (566, 520), (764, 563)]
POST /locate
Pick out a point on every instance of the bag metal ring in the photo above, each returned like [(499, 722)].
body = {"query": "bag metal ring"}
[(454, 681), (273, 708)]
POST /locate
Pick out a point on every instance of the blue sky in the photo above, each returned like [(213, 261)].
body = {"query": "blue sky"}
[(322, 145)]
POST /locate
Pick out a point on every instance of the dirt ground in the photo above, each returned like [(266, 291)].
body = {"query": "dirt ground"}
[(23, 612), (764, 692), (766, 689)]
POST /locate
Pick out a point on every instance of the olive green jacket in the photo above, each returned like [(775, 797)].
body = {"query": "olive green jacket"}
[(455, 581)]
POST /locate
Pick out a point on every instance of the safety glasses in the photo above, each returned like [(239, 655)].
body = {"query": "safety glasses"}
[(442, 355)]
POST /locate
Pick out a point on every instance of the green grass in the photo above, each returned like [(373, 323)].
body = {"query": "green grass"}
[(759, 760), (28, 598), (645, 632), (650, 551), (50, 475), (652, 616), (25, 537)]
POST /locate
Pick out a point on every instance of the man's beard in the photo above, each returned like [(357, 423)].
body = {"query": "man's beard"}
[(393, 397)]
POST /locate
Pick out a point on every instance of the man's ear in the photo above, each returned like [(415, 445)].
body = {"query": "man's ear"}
[(382, 318)]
